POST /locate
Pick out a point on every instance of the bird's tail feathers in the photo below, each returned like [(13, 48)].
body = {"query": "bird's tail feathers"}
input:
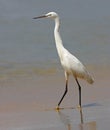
[(89, 79)]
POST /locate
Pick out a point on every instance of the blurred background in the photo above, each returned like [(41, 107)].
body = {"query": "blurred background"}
[(27, 46)]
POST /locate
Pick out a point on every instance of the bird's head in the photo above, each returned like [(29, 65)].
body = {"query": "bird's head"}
[(52, 15)]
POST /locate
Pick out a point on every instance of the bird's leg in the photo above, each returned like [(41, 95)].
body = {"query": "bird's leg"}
[(79, 92), (66, 90)]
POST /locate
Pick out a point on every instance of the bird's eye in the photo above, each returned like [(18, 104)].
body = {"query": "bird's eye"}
[(50, 15)]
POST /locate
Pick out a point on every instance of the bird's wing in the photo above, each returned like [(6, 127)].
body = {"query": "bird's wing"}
[(71, 63)]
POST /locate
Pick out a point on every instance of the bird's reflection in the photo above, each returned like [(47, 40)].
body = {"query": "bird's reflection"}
[(65, 119), (88, 126), (81, 115)]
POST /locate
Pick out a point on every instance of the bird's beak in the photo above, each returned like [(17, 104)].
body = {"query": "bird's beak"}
[(43, 16)]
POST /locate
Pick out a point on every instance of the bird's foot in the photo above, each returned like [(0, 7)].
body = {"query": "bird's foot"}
[(57, 108), (79, 107)]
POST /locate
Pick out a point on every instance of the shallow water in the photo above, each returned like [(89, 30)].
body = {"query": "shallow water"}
[(95, 118), (28, 43), (29, 103)]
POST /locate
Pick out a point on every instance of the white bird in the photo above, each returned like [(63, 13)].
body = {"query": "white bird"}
[(71, 65)]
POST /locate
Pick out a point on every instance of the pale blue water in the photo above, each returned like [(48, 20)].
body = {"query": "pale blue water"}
[(27, 44)]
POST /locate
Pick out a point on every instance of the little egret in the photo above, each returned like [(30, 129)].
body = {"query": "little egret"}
[(69, 62)]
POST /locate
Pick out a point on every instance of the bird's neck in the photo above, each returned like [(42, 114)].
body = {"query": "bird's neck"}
[(58, 40)]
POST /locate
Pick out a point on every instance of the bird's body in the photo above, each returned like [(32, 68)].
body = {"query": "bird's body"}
[(69, 62), (71, 65)]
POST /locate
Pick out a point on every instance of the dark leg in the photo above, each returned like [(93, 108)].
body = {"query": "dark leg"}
[(66, 90), (79, 92), (81, 115)]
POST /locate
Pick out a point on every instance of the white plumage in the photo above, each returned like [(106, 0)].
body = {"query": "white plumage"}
[(69, 62)]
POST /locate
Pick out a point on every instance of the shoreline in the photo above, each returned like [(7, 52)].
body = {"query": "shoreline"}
[(27, 102), (55, 82)]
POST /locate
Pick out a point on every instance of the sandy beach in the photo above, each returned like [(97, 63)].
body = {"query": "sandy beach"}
[(29, 103)]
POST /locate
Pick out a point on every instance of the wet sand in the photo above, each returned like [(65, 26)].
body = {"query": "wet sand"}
[(29, 103)]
